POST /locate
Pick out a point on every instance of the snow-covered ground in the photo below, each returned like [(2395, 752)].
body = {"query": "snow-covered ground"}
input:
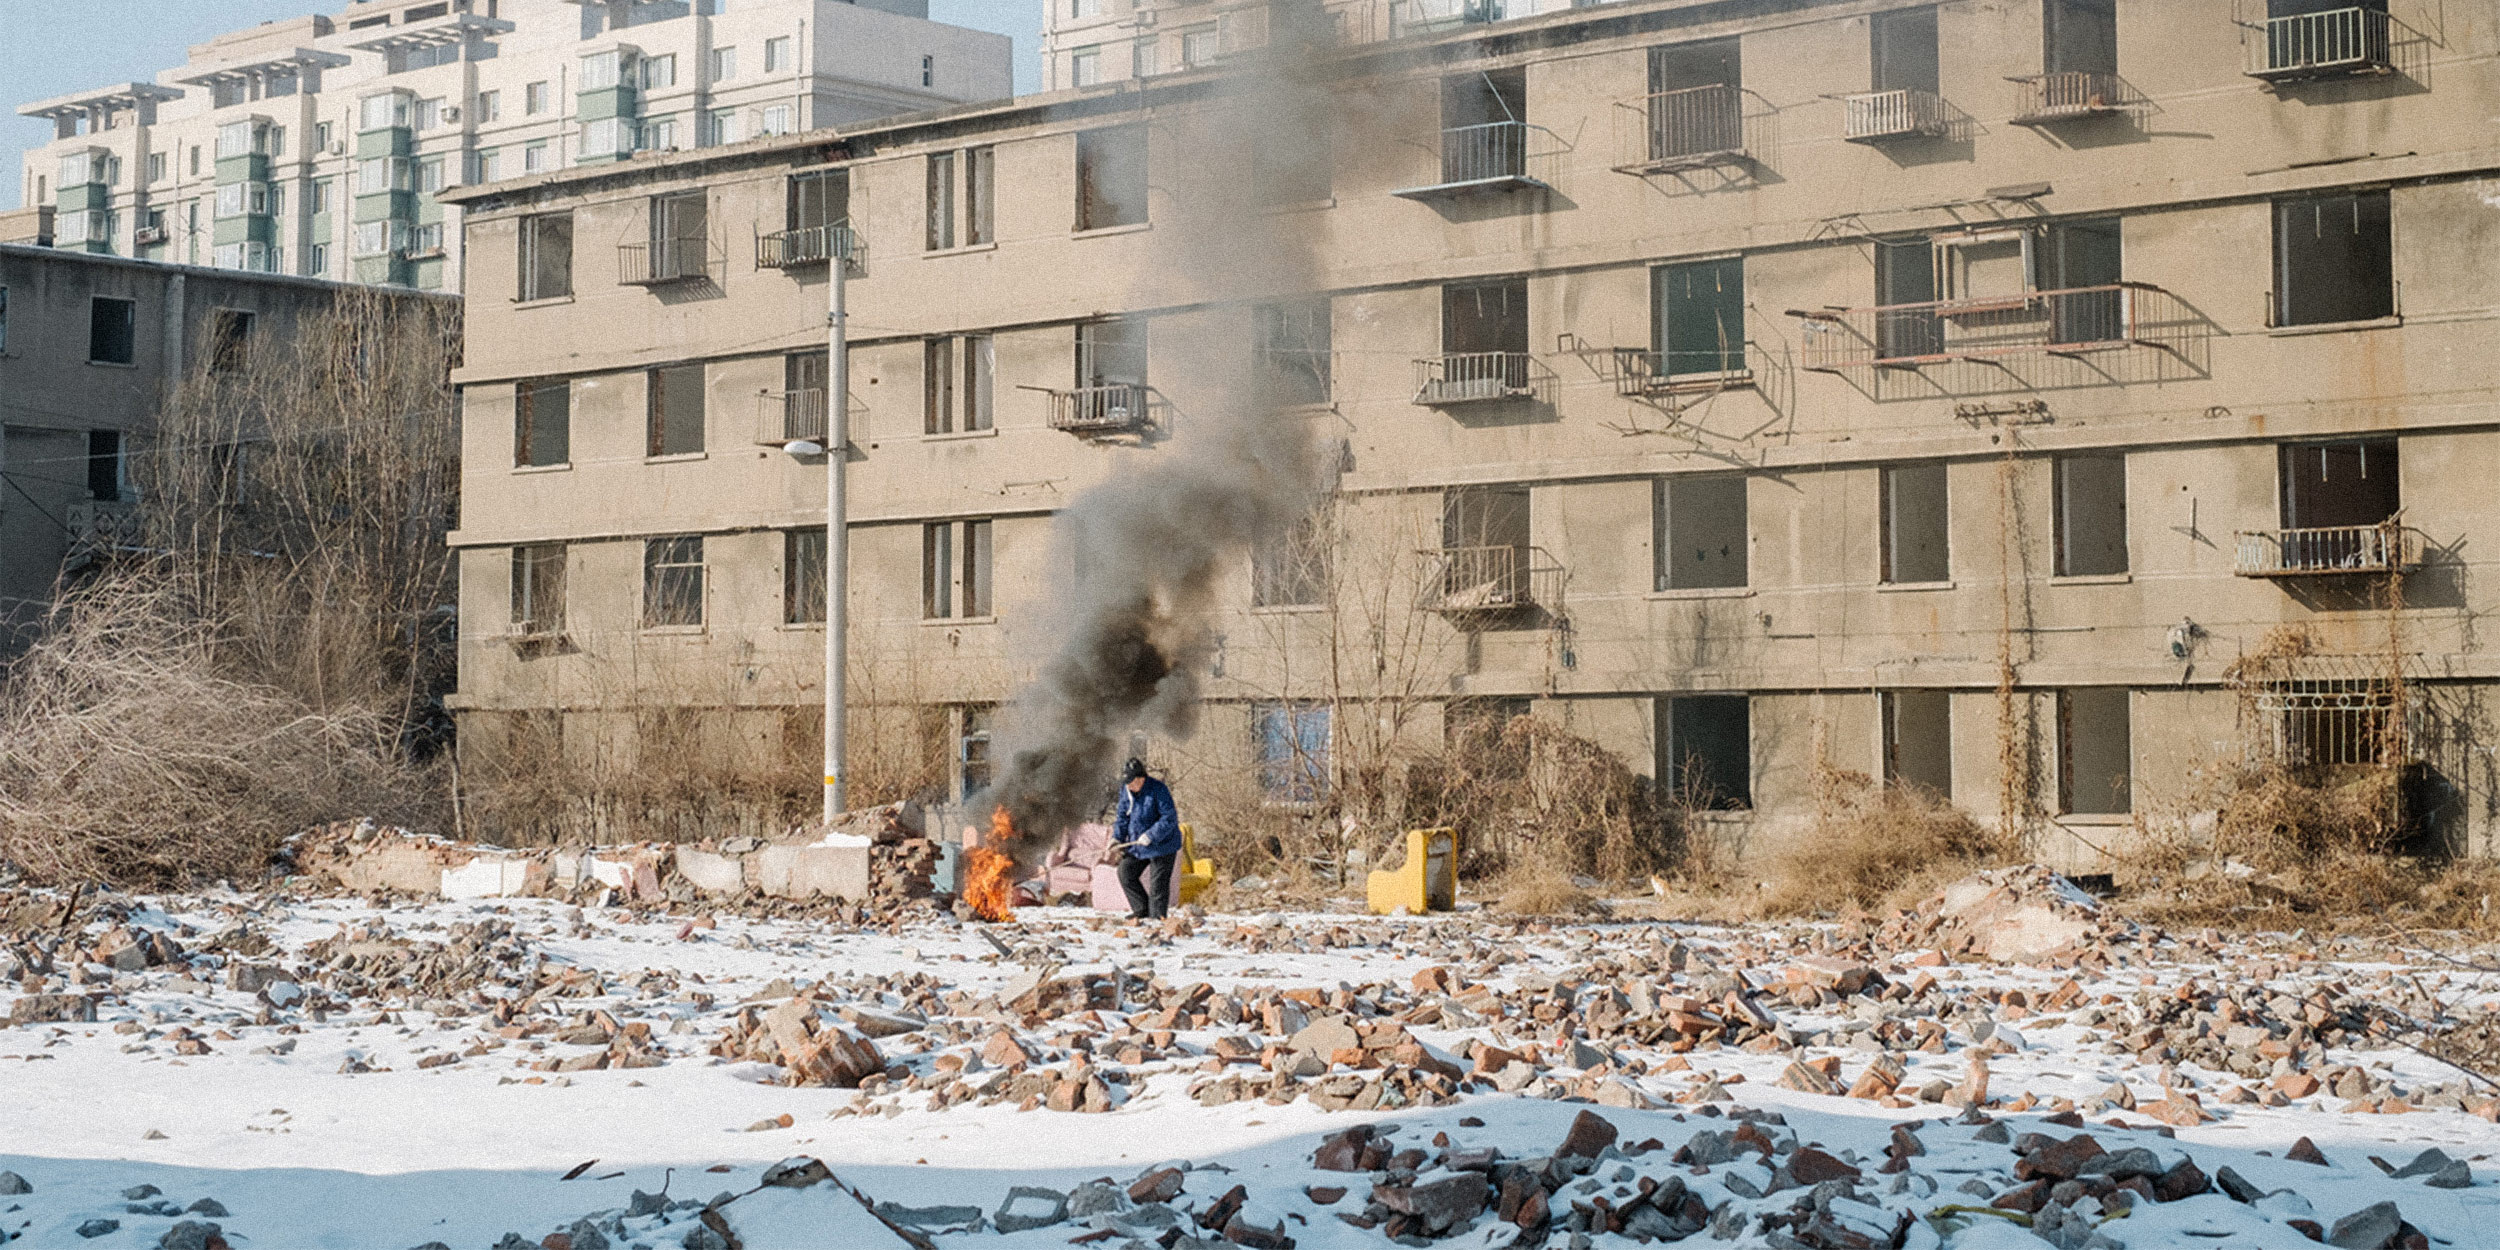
[(391, 1119)]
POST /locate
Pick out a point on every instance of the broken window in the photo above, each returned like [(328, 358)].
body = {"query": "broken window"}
[(679, 232), (107, 472), (1697, 317), (1917, 539), (1289, 741), (1294, 353), (2332, 485), (818, 199), (2091, 506), (803, 576), (112, 330), (937, 386), (229, 340), (1698, 532), (1905, 290), (955, 570), (2079, 36), (1484, 336), (2080, 259), (1111, 353), (2095, 751), (546, 256), (1111, 177), (940, 234), (1483, 125), (1705, 751), (1484, 540), (1292, 573), (675, 419), (1903, 47), (1696, 99), (542, 425), (980, 195), (1918, 740), (956, 380), (2333, 259), (538, 588), (672, 582), (972, 749)]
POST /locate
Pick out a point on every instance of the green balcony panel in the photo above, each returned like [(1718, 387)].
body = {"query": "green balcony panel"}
[(429, 210), (427, 275), (85, 197), (261, 229), (387, 206), (382, 269), (396, 141), (249, 167), (606, 102)]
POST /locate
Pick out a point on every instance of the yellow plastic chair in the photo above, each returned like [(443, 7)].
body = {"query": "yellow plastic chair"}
[(1195, 874), (1428, 881)]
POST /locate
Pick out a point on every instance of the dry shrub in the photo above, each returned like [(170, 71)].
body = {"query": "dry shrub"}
[(127, 755), (1533, 795), (1873, 846), (1541, 891)]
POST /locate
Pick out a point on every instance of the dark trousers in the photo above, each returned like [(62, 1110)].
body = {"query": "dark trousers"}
[(1150, 900)]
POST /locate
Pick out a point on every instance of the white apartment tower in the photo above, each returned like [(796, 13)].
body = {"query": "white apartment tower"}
[(318, 146)]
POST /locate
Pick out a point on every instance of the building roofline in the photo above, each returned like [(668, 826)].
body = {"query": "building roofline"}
[(117, 93), (63, 255), (205, 75)]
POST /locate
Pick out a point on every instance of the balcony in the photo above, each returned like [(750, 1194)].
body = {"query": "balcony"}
[(147, 236), (662, 262), (2338, 550), (2070, 95), (1486, 158), (1475, 378), (808, 245), (785, 417), (1642, 374), (1432, 17), (1877, 116), (1490, 581), (2332, 44), (1108, 408), (2123, 317), (1690, 128)]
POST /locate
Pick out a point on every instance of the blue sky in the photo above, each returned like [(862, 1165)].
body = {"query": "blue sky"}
[(48, 48)]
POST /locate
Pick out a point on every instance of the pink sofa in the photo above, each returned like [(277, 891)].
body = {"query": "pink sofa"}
[(1084, 864)]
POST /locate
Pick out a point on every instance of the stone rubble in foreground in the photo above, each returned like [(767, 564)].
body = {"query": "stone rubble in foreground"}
[(2009, 1065)]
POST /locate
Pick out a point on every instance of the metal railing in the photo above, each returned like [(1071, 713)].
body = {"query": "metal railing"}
[(1892, 115), (807, 245), (791, 416), (1485, 153), (2121, 314), (2383, 548), (1473, 377), (1692, 125), (1108, 408), (1424, 17), (1485, 579), (663, 260), (2068, 95), (1639, 372), (2320, 45), (2331, 723)]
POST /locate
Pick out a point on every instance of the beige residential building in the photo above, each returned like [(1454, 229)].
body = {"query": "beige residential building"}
[(322, 145), (1951, 393)]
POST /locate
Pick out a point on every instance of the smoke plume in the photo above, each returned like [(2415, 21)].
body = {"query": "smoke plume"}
[(1156, 542)]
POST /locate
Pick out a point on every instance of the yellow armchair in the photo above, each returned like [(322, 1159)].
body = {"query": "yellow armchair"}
[(1427, 881), (1195, 874)]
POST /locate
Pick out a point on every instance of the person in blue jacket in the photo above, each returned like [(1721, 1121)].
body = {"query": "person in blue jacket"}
[(1147, 831)]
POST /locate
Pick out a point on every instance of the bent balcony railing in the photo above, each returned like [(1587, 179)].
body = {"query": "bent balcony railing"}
[(1427, 17), (2323, 45), (1639, 372), (784, 417), (661, 261), (1105, 408), (2387, 547), (1874, 116), (1685, 129), (1474, 377), (807, 245), (2069, 95), (1485, 580), (2067, 322)]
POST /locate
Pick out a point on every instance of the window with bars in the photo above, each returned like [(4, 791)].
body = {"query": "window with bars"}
[(672, 582)]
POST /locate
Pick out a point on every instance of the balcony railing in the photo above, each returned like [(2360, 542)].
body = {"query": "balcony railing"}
[(2323, 45), (2069, 95), (1875, 116), (785, 417), (1427, 17), (662, 261), (1474, 377), (1108, 408), (1639, 373), (808, 245), (1687, 128), (2068, 322), (2387, 547), (1490, 580), (1488, 157)]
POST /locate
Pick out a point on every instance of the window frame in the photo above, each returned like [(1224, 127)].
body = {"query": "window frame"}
[(804, 557), (101, 336), (535, 267), (1289, 768), (1890, 522), (1664, 575), (667, 426), (532, 584), (528, 428), (2065, 524), (668, 603), (1718, 795)]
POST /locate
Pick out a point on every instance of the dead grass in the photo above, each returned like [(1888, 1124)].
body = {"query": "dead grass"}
[(1873, 846), (1539, 891)]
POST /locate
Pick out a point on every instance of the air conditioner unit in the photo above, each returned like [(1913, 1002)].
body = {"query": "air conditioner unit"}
[(451, 113), (338, 147), (145, 235)]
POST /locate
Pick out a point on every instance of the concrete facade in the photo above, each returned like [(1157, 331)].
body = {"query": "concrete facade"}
[(2171, 353), (90, 347), (320, 146)]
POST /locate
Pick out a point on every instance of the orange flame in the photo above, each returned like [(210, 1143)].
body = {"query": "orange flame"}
[(988, 886)]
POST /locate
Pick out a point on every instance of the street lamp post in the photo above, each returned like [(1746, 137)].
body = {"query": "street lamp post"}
[(837, 514)]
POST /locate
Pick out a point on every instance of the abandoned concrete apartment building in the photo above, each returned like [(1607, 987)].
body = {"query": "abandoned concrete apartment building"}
[(1953, 393)]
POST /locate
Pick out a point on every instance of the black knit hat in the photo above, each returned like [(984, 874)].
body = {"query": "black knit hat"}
[(1136, 768)]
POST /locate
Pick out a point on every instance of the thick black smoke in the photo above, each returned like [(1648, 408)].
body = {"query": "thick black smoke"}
[(1157, 541)]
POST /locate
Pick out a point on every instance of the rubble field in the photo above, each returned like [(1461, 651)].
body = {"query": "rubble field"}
[(2008, 1067)]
